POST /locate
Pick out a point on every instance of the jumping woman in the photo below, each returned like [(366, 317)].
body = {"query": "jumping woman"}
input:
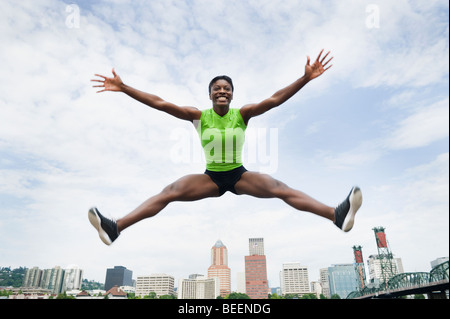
[(224, 170)]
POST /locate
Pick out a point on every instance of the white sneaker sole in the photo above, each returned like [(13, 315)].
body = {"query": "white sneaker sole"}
[(355, 204), (96, 222)]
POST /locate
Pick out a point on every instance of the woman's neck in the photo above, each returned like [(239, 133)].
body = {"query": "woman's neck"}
[(221, 110)]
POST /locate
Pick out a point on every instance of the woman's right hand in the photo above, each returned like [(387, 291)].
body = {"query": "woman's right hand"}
[(109, 84)]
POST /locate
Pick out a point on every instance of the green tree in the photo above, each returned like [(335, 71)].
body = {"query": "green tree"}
[(6, 293), (167, 297), (91, 285), (237, 295), (309, 296), (64, 296), (12, 277), (151, 295)]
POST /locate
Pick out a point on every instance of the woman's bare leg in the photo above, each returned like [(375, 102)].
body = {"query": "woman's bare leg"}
[(264, 186), (187, 189)]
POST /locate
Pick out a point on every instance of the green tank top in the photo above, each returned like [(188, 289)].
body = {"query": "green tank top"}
[(222, 139)]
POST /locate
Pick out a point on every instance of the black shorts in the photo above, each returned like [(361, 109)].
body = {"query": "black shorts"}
[(226, 180)]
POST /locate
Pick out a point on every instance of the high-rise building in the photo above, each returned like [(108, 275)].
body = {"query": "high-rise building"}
[(55, 280), (219, 268), (316, 288), (294, 279), (73, 278), (325, 282), (118, 276), (256, 284), (198, 288), (161, 284), (342, 279), (32, 278), (240, 282), (52, 279), (256, 246), (376, 266)]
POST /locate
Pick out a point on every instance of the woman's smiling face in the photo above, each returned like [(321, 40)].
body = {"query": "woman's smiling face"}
[(221, 93)]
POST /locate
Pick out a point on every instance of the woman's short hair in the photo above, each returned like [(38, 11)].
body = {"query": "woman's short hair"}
[(221, 77)]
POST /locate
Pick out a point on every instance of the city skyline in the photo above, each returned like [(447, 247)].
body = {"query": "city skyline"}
[(379, 118), (337, 280), (255, 247)]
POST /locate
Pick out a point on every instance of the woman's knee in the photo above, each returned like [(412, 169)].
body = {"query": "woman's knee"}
[(279, 189), (172, 192)]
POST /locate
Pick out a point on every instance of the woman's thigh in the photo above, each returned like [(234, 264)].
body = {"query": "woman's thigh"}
[(260, 185), (192, 188)]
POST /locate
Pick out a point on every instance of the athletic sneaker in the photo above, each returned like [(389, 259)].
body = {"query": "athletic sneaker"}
[(345, 212), (107, 228)]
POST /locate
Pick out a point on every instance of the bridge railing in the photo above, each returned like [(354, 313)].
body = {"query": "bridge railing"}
[(439, 274)]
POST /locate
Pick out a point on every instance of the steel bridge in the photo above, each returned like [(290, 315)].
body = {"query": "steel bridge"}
[(435, 284)]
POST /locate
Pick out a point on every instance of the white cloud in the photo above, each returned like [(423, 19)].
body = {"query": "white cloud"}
[(408, 48), (426, 125)]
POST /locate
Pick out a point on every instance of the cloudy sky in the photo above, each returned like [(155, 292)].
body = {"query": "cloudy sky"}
[(379, 118)]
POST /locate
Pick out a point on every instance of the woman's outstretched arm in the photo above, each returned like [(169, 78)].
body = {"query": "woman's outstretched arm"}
[(115, 84), (311, 72)]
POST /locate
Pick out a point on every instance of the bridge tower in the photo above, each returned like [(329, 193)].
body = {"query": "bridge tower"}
[(385, 256), (359, 267)]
